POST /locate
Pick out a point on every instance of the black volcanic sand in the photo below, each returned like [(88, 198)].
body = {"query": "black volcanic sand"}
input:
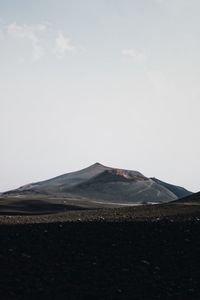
[(124, 253)]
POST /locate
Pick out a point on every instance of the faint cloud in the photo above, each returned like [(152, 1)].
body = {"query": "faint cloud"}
[(1, 29), (1, 21), (30, 33), (43, 38), (62, 45), (195, 93), (164, 2), (1, 35), (135, 55), (157, 79), (159, 1)]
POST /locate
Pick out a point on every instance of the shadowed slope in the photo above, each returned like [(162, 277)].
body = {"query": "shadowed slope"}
[(192, 199), (119, 186), (177, 190)]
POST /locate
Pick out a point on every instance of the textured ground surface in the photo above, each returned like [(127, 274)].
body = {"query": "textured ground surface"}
[(128, 253)]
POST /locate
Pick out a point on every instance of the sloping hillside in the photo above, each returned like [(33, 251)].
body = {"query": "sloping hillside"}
[(99, 183)]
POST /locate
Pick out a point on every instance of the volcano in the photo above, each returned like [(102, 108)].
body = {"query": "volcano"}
[(102, 184)]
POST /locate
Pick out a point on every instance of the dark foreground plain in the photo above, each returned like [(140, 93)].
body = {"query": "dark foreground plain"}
[(149, 252)]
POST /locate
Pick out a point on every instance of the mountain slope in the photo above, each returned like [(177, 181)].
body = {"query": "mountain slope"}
[(180, 192), (105, 184), (192, 199)]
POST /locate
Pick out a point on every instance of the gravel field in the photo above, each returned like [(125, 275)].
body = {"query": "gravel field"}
[(147, 252)]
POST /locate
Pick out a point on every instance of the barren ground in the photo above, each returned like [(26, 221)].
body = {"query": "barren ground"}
[(148, 252)]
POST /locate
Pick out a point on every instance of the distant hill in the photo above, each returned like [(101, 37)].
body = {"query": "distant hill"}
[(104, 184), (192, 199)]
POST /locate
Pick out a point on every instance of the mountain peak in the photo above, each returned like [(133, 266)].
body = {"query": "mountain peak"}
[(107, 184), (98, 164)]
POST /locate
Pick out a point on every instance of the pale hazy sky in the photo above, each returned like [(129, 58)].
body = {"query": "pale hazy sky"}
[(113, 81)]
